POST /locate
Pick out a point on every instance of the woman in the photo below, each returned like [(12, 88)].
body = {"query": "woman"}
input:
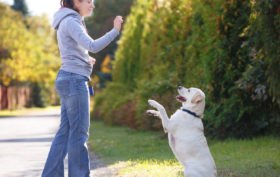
[(71, 85)]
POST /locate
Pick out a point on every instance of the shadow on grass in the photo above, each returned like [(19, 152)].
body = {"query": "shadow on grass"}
[(122, 143)]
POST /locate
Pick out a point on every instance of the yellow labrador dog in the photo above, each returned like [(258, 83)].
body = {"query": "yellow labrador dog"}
[(185, 133)]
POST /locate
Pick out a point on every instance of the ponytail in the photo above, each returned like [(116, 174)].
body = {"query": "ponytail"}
[(69, 4)]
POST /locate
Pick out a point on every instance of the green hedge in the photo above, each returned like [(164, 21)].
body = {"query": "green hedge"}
[(229, 49)]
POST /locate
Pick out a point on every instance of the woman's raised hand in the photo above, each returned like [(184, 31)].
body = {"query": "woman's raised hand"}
[(118, 22)]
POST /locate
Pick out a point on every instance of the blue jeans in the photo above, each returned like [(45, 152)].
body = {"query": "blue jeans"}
[(73, 130)]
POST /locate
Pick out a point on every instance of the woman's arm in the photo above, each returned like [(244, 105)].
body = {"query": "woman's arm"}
[(79, 34)]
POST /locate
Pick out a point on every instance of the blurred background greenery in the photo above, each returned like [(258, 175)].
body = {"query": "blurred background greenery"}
[(29, 58), (229, 49)]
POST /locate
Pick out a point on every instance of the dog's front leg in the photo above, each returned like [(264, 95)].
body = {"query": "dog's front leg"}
[(154, 113), (162, 114)]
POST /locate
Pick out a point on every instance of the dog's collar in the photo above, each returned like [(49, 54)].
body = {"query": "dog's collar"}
[(190, 112)]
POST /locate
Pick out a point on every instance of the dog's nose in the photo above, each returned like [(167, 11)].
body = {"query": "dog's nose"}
[(179, 87)]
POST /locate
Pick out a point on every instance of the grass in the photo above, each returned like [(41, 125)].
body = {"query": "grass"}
[(24, 111), (257, 157), (147, 154)]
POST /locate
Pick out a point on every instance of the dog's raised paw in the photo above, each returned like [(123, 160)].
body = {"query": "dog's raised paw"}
[(152, 102), (155, 104), (152, 112)]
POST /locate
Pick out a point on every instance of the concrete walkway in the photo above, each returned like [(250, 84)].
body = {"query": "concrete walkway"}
[(25, 142)]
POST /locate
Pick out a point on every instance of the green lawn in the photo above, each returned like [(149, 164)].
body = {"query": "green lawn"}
[(147, 154)]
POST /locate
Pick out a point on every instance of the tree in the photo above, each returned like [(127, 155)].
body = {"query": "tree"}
[(102, 21), (20, 5), (28, 51), (229, 49)]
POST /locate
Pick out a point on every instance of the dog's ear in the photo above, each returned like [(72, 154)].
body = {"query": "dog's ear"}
[(197, 98)]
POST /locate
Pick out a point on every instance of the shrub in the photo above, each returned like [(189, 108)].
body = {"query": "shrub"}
[(229, 49)]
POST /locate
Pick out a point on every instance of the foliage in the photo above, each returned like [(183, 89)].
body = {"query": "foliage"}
[(39, 95), (112, 102), (264, 35), (102, 21), (28, 50), (20, 5), (229, 49), (241, 105)]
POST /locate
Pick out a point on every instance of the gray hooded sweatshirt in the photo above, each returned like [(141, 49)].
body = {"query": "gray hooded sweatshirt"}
[(74, 42)]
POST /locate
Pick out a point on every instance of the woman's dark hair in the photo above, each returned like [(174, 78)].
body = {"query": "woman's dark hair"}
[(69, 4)]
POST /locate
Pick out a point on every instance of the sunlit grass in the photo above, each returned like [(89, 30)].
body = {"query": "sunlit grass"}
[(145, 153), (155, 168)]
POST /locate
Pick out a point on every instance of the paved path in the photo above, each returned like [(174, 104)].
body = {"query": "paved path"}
[(25, 143)]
